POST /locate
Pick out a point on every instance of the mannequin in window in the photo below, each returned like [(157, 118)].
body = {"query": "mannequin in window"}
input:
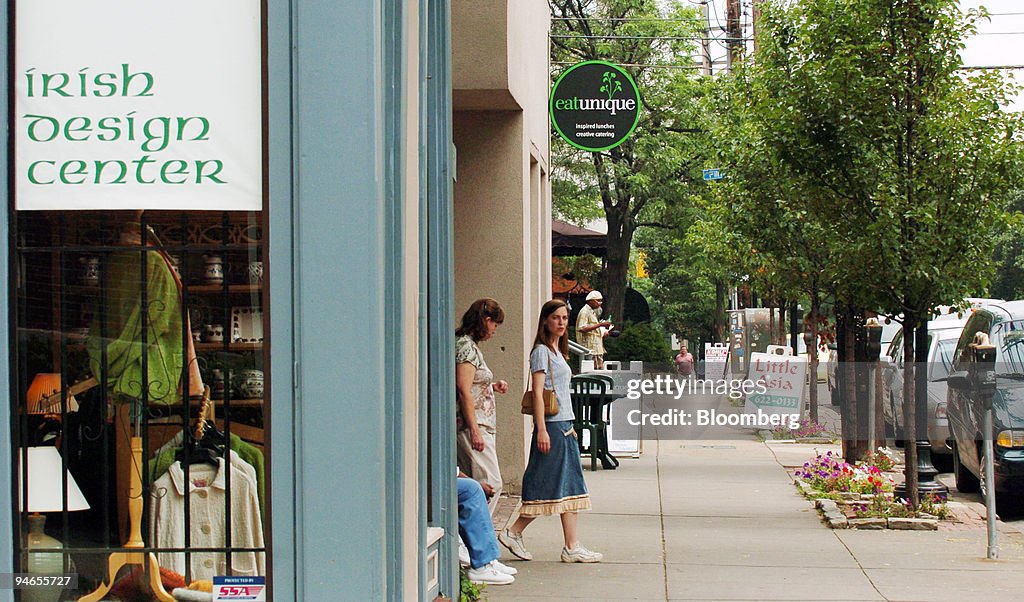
[(120, 327)]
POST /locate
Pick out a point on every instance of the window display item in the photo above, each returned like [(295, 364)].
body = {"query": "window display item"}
[(45, 494), (90, 270), (119, 334), (250, 384), (44, 395), (213, 333), (255, 272), (246, 325), (213, 269)]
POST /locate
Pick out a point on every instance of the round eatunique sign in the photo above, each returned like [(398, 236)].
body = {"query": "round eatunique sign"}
[(595, 105)]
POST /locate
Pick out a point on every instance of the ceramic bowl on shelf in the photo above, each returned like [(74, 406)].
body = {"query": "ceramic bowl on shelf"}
[(250, 384), (213, 269), (213, 333)]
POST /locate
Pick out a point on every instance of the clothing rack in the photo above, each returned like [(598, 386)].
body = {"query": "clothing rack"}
[(117, 560)]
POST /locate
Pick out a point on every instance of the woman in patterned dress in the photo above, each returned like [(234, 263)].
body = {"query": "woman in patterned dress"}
[(475, 387)]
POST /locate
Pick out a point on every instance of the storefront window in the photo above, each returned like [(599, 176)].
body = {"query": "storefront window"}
[(141, 371)]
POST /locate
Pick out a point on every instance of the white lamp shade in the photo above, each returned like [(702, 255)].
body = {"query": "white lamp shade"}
[(45, 493)]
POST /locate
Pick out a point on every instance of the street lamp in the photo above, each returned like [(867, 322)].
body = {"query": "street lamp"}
[(927, 485)]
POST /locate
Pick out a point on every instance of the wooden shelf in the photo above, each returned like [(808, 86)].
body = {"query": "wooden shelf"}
[(219, 288), (231, 346), (199, 346), (217, 403)]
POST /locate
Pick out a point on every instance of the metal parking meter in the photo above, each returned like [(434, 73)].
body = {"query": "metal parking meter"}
[(983, 379)]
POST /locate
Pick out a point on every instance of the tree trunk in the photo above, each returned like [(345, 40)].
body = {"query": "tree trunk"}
[(620, 239), (718, 321), (782, 324), (909, 408), (813, 353), (850, 389)]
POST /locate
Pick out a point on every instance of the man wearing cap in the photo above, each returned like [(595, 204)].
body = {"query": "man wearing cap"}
[(590, 331)]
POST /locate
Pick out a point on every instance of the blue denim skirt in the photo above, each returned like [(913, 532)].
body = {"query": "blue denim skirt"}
[(553, 482)]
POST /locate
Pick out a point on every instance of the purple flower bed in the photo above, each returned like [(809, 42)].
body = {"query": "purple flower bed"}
[(829, 473), (806, 429)]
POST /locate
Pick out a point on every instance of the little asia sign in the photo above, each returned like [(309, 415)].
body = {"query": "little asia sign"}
[(595, 105), (122, 104)]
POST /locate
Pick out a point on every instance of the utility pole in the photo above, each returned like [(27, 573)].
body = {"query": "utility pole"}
[(705, 41), (754, 20), (733, 34)]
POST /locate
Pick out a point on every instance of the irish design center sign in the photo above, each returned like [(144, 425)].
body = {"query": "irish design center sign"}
[(125, 104), (595, 105)]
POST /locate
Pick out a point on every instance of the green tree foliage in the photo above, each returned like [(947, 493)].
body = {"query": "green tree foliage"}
[(863, 152), (638, 342), (1009, 253), (681, 288), (634, 184), (878, 147)]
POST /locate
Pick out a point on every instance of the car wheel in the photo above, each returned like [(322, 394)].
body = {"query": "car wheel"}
[(966, 482)]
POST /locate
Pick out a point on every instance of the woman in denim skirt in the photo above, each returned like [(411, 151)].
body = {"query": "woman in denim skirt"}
[(553, 481)]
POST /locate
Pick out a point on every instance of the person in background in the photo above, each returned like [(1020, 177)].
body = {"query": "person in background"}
[(474, 388), (590, 330), (553, 481), (684, 362), (477, 531)]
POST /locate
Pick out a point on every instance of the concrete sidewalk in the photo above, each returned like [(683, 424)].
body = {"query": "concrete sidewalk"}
[(721, 520)]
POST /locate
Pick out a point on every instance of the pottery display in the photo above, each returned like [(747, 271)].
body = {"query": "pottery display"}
[(217, 382), (213, 333), (255, 272), (250, 384), (175, 261), (213, 269), (90, 271)]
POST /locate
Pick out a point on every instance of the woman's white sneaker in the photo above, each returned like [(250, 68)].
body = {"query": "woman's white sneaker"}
[(489, 574), (580, 554), (514, 543), (503, 568)]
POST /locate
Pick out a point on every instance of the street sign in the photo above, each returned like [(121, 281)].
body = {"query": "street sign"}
[(712, 174)]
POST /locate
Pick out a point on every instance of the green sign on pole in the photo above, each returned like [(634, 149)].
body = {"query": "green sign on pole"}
[(595, 105)]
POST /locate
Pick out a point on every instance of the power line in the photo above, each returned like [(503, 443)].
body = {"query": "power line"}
[(642, 65), (988, 67), (630, 19), (673, 38)]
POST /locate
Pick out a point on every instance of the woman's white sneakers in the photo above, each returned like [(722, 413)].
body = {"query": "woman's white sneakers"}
[(503, 568), (580, 554), (514, 543), (491, 574)]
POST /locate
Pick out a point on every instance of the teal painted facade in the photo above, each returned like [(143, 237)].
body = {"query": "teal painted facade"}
[(337, 160)]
